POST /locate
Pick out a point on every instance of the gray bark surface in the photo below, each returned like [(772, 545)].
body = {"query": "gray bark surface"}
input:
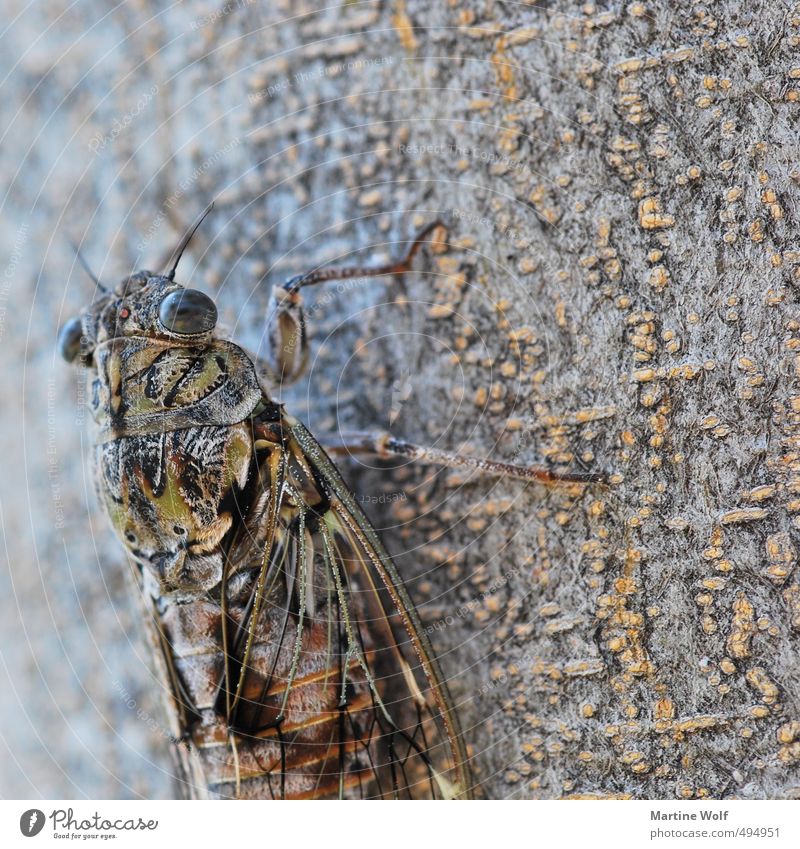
[(617, 289)]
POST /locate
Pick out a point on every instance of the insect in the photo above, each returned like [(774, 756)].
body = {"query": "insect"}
[(294, 661)]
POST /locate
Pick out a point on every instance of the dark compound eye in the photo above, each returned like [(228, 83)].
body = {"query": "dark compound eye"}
[(69, 339), (188, 311)]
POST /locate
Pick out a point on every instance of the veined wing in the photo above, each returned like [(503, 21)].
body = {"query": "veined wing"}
[(330, 687)]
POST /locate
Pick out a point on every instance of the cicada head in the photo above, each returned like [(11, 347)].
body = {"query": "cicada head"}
[(144, 306)]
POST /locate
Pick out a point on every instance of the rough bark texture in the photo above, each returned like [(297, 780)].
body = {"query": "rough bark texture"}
[(618, 289)]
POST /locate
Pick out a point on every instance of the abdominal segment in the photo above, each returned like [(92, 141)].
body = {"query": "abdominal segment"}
[(303, 724)]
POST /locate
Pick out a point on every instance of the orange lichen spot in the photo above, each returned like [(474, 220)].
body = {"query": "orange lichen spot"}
[(371, 198), (742, 628), (559, 626), (596, 508), (761, 493), (781, 556), (522, 36), (481, 396), (591, 414), (628, 66), (480, 104), (658, 277), (438, 311), (405, 29), (680, 54), (664, 709), (756, 230), (758, 679), (701, 722), (584, 668), (789, 732), (789, 754), (625, 586), (686, 371), (743, 515), (651, 216), (465, 17), (791, 595)]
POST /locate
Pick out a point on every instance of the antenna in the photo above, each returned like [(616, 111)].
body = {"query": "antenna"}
[(185, 241), (85, 266)]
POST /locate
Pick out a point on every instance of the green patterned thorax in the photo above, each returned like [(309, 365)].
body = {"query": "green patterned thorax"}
[(174, 448), (145, 385)]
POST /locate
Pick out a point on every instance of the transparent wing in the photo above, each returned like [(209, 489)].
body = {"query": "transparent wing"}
[(330, 688)]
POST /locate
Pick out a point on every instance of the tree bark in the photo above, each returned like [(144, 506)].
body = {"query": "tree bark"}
[(617, 290)]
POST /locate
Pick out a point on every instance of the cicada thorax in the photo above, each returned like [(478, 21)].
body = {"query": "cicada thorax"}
[(174, 452), (145, 385)]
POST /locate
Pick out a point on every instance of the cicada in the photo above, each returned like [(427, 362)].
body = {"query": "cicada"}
[(295, 663)]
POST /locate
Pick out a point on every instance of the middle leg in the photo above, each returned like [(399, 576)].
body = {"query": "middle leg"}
[(384, 445)]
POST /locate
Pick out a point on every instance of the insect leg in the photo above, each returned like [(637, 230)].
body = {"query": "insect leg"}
[(386, 446), (287, 349)]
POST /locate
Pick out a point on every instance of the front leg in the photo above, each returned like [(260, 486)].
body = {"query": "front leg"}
[(287, 342)]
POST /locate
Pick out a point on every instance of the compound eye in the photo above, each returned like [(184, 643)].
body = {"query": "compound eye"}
[(187, 312), (69, 339)]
